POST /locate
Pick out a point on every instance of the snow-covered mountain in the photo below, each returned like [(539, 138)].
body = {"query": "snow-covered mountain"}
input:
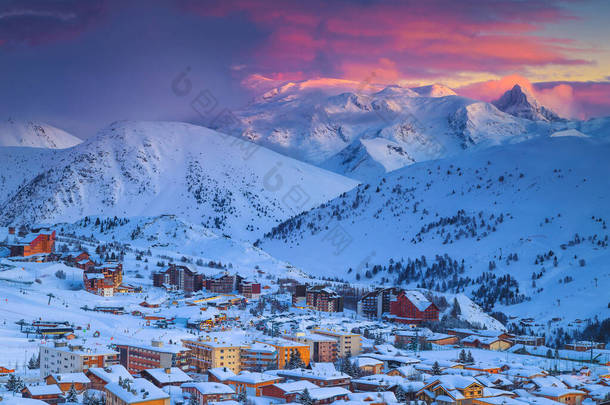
[(361, 132), (521, 228), (153, 168), (521, 103), (434, 90), (34, 135)]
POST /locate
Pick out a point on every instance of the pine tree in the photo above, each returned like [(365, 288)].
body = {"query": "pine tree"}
[(193, 401), (401, 395), (295, 361), (72, 395), (305, 398), (34, 362), (436, 368), (14, 383), (469, 358), (463, 358)]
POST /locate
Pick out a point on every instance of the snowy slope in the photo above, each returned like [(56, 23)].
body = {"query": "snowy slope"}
[(153, 168), (34, 135), (329, 125), (170, 236), (505, 205)]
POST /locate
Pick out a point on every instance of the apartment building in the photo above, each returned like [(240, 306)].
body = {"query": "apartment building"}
[(285, 348), (348, 344), (136, 358), (212, 353), (61, 357), (322, 349)]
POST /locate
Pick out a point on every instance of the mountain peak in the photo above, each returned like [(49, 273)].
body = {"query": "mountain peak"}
[(434, 90), (30, 134), (519, 102)]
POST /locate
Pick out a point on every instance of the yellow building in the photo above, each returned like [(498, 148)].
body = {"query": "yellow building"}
[(348, 344), (213, 353), (285, 348), (138, 391)]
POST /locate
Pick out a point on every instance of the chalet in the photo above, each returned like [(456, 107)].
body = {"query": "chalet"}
[(100, 376), (321, 374), (328, 395), (51, 394), (65, 381), (179, 277), (485, 342), (453, 389), (250, 289), (412, 307), (374, 304), (205, 392), (442, 339), (251, 382), (376, 383), (162, 377), (563, 395), (220, 374), (368, 365), (288, 392), (137, 391), (324, 299)]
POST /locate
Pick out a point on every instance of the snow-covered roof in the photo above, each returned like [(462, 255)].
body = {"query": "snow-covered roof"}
[(418, 299), (110, 373), (139, 390), (175, 375), (296, 386), (253, 377), (71, 378), (367, 361), (222, 373), (557, 391), (209, 388), (50, 389), (319, 394)]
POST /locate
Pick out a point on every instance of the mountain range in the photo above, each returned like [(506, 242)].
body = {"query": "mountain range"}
[(505, 202)]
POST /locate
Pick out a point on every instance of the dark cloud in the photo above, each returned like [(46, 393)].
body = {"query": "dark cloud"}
[(40, 21)]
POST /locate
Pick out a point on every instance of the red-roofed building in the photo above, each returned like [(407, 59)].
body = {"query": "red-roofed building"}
[(412, 307)]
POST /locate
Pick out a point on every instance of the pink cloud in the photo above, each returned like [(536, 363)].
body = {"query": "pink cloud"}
[(421, 39)]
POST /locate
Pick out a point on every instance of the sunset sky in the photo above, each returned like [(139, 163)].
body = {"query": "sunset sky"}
[(80, 64)]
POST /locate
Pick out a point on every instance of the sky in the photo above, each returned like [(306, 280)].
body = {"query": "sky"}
[(82, 64)]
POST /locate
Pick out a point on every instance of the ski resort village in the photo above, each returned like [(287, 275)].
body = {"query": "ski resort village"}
[(304, 202), (88, 319)]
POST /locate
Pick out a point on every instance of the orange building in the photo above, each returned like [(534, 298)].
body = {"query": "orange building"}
[(285, 348), (31, 244), (252, 383), (66, 380)]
